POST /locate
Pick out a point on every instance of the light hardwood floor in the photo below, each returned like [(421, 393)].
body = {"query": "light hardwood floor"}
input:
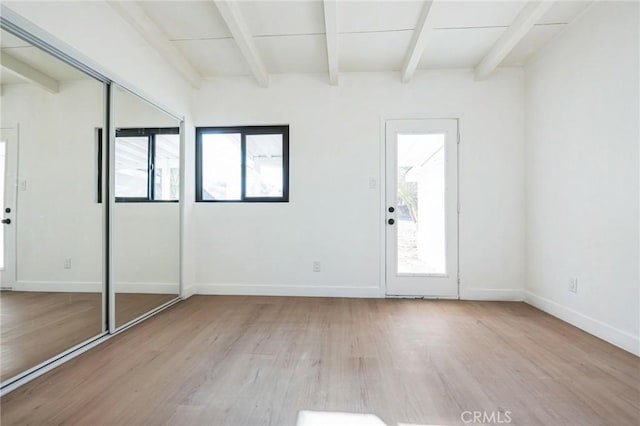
[(35, 326), (214, 360)]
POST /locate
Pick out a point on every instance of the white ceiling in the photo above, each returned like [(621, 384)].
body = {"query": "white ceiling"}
[(289, 36), (372, 35)]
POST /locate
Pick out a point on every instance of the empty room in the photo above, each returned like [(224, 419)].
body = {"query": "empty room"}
[(320, 212)]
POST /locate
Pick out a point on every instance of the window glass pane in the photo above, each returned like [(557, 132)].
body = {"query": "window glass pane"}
[(132, 167), (167, 167), (421, 204), (221, 166), (264, 166)]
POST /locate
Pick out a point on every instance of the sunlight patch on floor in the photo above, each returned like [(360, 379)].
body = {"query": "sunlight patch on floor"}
[(332, 418)]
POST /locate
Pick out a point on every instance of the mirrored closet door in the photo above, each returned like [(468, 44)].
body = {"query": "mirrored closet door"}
[(52, 271), (145, 214), (89, 192)]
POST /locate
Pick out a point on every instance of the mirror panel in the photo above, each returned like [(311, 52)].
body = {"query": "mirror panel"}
[(145, 216), (52, 257)]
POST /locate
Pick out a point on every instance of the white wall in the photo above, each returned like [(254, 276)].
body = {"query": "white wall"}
[(333, 215), (582, 174)]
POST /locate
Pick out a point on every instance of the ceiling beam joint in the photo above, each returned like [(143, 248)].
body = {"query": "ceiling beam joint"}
[(232, 15), (331, 31), (521, 26), (29, 73), (136, 16)]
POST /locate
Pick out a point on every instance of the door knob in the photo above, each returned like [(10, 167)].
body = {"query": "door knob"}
[(6, 221), (391, 221)]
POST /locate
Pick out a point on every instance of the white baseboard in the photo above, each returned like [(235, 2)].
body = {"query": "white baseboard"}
[(606, 332), (58, 286), (287, 290), (155, 288), (512, 295), (188, 291), (95, 287)]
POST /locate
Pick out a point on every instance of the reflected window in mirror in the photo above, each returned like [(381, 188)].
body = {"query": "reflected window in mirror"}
[(147, 164)]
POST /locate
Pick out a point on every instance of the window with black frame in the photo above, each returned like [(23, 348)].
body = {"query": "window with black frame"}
[(147, 165), (242, 164)]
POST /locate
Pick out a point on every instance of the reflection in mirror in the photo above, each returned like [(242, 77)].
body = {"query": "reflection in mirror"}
[(51, 251), (146, 216)]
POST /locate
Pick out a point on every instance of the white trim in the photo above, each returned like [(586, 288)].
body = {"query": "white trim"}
[(59, 286), (495, 294), (606, 332), (96, 287), (287, 290), (145, 287), (189, 291)]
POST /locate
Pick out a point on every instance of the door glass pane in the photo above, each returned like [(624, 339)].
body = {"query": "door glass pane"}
[(2, 180), (167, 167), (221, 166), (421, 204), (264, 166), (132, 165)]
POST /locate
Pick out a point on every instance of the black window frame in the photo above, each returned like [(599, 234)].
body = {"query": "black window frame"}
[(150, 133), (282, 129)]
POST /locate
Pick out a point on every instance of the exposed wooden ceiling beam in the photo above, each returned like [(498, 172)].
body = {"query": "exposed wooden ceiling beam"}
[(134, 14), (331, 31), (418, 42), (524, 22), (232, 15), (29, 73)]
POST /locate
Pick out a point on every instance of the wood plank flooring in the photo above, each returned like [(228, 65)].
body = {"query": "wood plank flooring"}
[(35, 326), (231, 360)]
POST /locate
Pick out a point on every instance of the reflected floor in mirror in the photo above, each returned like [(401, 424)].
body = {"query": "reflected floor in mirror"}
[(35, 326), (130, 306)]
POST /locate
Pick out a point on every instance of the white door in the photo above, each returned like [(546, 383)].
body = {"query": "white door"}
[(8, 186), (422, 208)]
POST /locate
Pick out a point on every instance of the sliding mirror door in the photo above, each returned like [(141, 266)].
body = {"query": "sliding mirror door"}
[(145, 215), (53, 221)]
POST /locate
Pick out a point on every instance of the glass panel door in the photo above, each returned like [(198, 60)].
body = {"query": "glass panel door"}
[(421, 209)]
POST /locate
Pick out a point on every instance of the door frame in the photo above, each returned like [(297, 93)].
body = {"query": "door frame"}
[(382, 229)]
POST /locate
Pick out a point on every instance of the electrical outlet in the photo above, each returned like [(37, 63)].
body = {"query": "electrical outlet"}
[(23, 185), (67, 263), (373, 183), (316, 266), (573, 285)]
